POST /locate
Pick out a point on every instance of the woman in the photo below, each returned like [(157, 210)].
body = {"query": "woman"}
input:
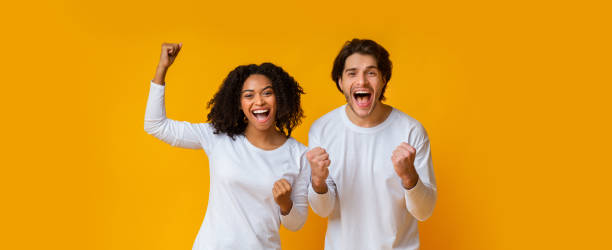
[(258, 177)]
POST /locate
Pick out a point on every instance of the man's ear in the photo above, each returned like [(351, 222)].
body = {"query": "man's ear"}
[(340, 84)]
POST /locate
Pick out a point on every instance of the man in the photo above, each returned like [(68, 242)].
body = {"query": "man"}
[(371, 164)]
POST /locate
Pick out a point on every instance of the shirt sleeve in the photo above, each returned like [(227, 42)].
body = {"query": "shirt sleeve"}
[(176, 133), (322, 204), (299, 195), (421, 199)]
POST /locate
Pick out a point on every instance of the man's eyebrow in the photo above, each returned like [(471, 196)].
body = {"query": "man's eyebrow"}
[(368, 67)]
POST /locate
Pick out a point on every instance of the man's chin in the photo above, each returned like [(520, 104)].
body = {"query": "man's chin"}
[(362, 112)]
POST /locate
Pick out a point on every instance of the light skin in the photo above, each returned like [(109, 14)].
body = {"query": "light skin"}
[(362, 83), (258, 103)]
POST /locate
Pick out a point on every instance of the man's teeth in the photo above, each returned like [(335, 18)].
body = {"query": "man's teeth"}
[(362, 96)]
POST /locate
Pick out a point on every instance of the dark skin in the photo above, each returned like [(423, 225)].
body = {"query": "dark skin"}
[(282, 195), (264, 136)]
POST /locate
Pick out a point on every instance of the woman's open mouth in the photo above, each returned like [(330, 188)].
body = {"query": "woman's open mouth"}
[(261, 115)]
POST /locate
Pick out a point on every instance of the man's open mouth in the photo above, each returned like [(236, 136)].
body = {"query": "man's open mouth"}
[(363, 98)]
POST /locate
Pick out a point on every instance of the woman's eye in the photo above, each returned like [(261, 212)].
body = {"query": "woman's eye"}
[(267, 93), (248, 96)]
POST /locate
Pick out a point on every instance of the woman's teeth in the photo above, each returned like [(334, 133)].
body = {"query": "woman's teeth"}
[(261, 114)]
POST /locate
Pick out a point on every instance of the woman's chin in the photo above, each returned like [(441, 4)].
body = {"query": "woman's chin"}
[(262, 126)]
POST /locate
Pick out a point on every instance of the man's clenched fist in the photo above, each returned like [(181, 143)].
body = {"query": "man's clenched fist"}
[(403, 162), (319, 163), (282, 195)]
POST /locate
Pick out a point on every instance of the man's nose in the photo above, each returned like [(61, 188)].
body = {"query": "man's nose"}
[(361, 79)]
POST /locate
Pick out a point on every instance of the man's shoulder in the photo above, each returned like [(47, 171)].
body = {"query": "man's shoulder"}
[(331, 117), (405, 118), (406, 121)]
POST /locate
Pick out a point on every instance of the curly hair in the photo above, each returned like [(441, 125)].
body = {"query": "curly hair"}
[(365, 47), (226, 115)]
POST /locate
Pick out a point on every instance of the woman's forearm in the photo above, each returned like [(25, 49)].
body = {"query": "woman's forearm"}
[(160, 75)]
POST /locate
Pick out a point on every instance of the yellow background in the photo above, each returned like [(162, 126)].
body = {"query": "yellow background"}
[(515, 96)]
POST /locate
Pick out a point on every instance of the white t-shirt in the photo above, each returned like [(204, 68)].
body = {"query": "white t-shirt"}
[(367, 205), (241, 212)]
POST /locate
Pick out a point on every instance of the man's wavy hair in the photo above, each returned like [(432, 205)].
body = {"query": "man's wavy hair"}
[(364, 47), (226, 115)]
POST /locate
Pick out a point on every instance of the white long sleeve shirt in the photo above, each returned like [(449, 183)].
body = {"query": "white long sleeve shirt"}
[(367, 205), (241, 212)]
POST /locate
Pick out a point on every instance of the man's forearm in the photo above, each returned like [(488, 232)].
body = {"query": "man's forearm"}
[(320, 188)]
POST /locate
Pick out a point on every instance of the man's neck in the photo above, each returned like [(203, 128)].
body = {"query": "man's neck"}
[(379, 115)]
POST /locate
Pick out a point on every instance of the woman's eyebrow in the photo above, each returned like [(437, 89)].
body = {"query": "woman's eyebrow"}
[(250, 90)]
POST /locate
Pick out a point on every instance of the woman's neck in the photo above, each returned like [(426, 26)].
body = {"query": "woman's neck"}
[(264, 139)]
